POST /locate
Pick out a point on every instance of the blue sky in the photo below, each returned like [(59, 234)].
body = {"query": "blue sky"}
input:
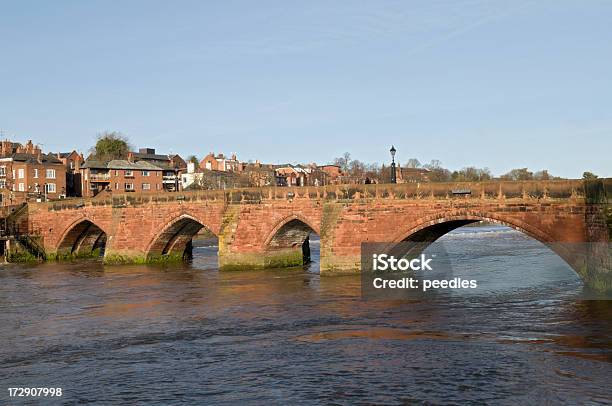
[(492, 84)]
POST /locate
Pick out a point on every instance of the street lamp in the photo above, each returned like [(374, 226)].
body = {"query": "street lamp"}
[(393, 178)]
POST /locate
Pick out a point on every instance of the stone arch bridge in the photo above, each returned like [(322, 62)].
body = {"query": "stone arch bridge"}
[(268, 227)]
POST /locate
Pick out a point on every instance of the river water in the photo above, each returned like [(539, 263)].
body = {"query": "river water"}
[(189, 334)]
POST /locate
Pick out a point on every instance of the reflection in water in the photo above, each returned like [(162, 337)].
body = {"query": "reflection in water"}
[(190, 334)]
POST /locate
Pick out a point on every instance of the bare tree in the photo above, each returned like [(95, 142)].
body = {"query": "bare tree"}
[(344, 161), (413, 163)]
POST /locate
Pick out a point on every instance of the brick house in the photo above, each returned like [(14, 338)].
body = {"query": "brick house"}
[(333, 173), (72, 161), (410, 175), (220, 162), (120, 176), (31, 176), (291, 175), (173, 166)]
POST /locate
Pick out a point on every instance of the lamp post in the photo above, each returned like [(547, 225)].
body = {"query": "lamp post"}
[(393, 178)]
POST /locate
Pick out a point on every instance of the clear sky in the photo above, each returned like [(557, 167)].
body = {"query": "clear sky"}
[(492, 84)]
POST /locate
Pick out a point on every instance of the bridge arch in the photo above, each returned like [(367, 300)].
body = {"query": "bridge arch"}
[(442, 223), (290, 233), (294, 225), (175, 237), (82, 237), (429, 229)]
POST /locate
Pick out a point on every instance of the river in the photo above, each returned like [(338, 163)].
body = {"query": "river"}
[(190, 334)]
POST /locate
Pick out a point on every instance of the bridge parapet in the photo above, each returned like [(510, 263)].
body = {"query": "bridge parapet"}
[(553, 189)]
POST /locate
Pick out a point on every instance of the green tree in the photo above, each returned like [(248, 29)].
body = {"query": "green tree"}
[(193, 159), (111, 145), (589, 176)]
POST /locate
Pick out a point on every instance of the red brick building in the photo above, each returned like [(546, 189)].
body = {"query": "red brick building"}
[(173, 166), (27, 176), (72, 161), (410, 175), (333, 173), (26, 173), (120, 176), (289, 175), (220, 162)]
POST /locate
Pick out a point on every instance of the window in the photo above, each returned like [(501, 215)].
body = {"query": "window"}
[(158, 186), (2, 170), (50, 187), (129, 173), (145, 173), (116, 173), (129, 187), (116, 186), (35, 173), (21, 187), (2, 184), (146, 186), (71, 164), (21, 173), (51, 174)]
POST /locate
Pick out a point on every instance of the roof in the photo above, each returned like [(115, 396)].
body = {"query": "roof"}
[(93, 164), (156, 157), (415, 170), (67, 154), (121, 164), (30, 158)]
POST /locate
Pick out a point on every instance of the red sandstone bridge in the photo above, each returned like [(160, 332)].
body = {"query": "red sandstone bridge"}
[(268, 227)]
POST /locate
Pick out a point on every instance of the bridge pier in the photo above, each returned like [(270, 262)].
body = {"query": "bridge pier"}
[(279, 258), (597, 272)]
